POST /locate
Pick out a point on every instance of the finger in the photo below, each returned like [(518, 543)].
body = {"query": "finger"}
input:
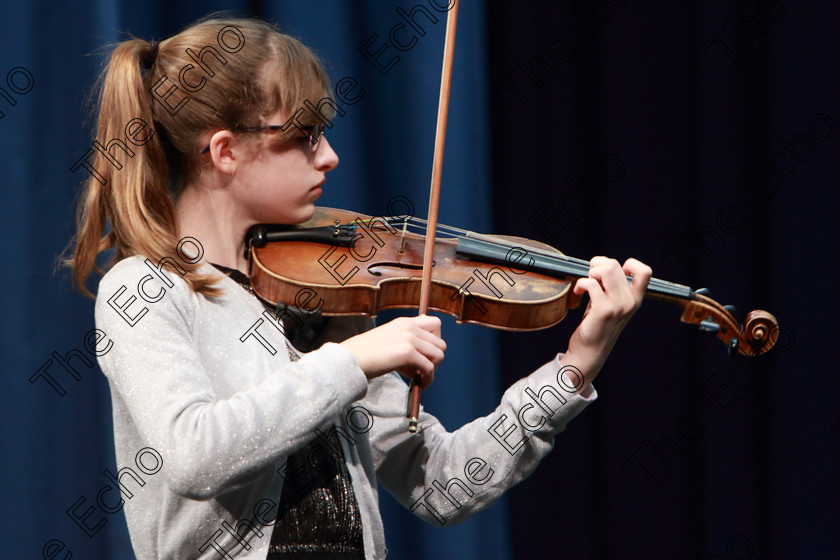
[(411, 373), (608, 272), (430, 338), (426, 379), (593, 287), (641, 274), (614, 281), (421, 368), (426, 327), (422, 350), (421, 326), (429, 351), (428, 323)]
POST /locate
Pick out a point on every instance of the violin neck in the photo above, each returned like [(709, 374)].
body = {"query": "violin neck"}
[(552, 264)]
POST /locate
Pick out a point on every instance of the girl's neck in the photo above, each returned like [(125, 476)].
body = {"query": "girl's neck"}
[(209, 216)]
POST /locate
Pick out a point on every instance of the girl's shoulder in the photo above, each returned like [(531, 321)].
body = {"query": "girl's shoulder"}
[(123, 270), (136, 283), (144, 277), (138, 268)]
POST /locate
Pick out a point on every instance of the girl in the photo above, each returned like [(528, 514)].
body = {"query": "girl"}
[(249, 447)]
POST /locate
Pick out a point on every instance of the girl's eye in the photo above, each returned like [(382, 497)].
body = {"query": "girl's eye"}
[(312, 134)]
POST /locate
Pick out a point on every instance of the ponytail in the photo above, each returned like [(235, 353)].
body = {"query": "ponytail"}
[(128, 181)]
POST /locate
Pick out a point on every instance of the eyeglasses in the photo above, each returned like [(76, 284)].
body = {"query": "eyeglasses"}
[(311, 133)]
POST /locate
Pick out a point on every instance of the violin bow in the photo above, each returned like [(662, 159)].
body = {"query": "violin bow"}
[(434, 197)]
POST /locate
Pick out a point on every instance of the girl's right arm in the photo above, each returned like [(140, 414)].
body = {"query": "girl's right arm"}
[(219, 410)]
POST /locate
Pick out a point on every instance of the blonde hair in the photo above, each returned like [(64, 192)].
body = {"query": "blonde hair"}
[(248, 71)]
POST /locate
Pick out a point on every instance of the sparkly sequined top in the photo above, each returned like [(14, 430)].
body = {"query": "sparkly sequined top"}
[(208, 385)]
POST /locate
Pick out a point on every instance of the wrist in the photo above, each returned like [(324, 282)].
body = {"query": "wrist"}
[(583, 364)]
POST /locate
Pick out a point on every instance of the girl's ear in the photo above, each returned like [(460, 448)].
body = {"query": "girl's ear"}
[(224, 157)]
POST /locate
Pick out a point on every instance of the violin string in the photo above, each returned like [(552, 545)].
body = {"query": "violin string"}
[(420, 225), (580, 267), (454, 232)]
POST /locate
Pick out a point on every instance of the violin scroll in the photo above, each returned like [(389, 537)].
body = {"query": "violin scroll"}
[(762, 330), (755, 337)]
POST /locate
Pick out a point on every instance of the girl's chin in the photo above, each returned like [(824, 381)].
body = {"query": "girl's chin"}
[(300, 215), (303, 214)]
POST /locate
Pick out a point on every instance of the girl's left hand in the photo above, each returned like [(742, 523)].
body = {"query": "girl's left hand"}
[(612, 301)]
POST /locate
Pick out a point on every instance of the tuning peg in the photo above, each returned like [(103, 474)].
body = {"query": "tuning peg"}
[(731, 309), (703, 292), (732, 348), (709, 327)]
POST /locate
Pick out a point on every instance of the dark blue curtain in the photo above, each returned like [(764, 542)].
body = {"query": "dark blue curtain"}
[(58, 439), (699, 139)]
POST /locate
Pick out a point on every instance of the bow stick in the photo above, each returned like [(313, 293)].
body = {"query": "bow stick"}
[(434, 197)]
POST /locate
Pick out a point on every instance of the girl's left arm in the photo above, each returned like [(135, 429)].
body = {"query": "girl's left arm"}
[(445, 477)]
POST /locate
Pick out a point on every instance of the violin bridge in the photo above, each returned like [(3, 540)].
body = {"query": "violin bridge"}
[(402, 237)]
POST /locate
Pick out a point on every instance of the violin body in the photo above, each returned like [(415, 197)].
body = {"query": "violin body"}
[(380, 267)]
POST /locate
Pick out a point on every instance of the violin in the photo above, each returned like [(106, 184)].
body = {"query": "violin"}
[(502, 282), (359, 265)]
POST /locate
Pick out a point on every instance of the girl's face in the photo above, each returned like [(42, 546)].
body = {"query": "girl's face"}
[(280, 184)]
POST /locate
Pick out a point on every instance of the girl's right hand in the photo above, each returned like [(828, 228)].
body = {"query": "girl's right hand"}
[(408, 345)]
